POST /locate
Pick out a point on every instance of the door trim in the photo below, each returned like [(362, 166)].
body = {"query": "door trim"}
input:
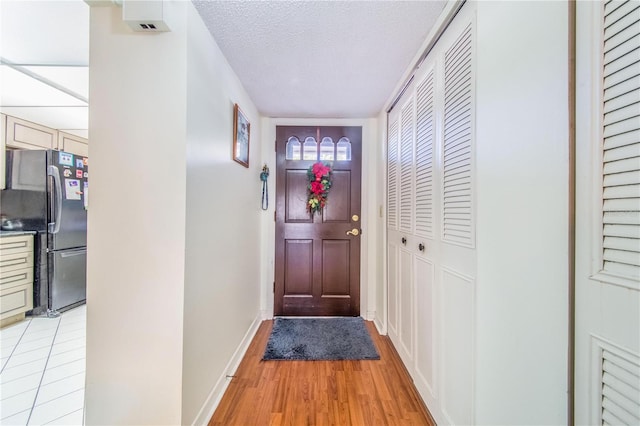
[(371, 273)]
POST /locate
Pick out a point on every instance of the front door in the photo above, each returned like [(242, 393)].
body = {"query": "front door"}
[(318, 254)]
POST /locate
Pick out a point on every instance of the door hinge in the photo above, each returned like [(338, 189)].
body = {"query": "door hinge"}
[(275, 145), (274, 286), (274, 215)]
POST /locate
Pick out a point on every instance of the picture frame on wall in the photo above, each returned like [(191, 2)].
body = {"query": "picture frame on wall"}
[(241, 133)]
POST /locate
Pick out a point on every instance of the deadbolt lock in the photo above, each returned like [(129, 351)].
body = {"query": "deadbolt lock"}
[(355, 218)]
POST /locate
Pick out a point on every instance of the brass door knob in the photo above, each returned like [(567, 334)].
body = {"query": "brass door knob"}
[(355, 232)]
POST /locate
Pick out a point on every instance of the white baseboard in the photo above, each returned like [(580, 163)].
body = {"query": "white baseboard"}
[(371, 315), (382, 329), (212, 401)]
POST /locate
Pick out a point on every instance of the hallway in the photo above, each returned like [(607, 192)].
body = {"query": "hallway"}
[(321, 392)]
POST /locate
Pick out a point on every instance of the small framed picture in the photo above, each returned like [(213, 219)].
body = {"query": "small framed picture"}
[(241, 131)]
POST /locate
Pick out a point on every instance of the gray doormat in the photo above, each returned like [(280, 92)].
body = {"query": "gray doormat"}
[(310, 339)]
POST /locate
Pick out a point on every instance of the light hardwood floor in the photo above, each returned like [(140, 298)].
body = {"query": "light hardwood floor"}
[(318, 393)]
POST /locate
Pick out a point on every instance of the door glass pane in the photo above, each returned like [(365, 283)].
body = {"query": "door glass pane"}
[(310, 149), (293, 148), (343, 149), (327, 149)]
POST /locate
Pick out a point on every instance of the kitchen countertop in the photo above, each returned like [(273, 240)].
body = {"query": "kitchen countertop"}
[(4, 233)]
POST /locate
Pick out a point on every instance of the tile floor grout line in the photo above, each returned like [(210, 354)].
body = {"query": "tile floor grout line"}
[(44, 371), (15, 414), (19, 378), (30, 350), (61, 396), (58, 418), (15, 346), (70, 350), (65, 377)]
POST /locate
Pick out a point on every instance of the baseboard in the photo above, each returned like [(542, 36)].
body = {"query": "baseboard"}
[(382, 329), (212, 401), (371, 315)]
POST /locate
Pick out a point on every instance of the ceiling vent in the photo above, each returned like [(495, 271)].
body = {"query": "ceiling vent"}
[(145, 15)]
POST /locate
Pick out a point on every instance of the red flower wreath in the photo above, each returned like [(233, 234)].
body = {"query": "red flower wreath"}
[(319, 183)]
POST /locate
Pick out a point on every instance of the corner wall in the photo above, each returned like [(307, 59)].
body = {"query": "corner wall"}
[(222, 277), (136, 232), (522, 213), (174, 226)]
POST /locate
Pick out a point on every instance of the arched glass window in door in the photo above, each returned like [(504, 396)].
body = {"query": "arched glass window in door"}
[(310, 149), (343, 149), (294, 149), (327, 149)]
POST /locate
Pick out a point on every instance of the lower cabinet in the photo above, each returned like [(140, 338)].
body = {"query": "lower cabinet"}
[(16, 276)]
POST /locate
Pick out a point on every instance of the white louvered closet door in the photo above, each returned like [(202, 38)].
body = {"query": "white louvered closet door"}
[(608, 214), (431, 253), (393, 241)]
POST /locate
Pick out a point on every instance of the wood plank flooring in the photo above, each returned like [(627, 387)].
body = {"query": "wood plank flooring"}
[(298, 393)]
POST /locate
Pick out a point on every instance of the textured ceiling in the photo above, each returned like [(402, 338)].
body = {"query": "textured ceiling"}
[(319, 59)]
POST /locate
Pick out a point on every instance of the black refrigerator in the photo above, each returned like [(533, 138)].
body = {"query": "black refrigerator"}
[(47, 191)]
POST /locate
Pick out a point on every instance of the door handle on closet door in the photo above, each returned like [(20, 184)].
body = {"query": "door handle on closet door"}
[(404, 241), (421, 247)]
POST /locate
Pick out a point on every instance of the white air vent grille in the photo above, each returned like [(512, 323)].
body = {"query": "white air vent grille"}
[(620, 390), (457, 151), (621, 155), (424, 157), (406, 167), (392, 170)]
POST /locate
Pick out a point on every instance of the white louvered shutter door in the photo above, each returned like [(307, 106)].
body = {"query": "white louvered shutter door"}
[(406, 167), (392, 179), (621, 132), (620, 390), (457, 196), (424, 157)]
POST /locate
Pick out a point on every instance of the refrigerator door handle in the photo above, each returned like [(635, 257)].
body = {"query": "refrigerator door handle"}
[(54, 226), (76, 252)]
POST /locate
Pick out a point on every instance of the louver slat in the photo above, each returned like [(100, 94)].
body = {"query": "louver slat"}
[(457, 220), (620, 390), (392, 170), (406, 167), (621, 132), (424, 156)]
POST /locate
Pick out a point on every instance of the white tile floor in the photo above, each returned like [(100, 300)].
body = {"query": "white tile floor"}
[(42, 370)]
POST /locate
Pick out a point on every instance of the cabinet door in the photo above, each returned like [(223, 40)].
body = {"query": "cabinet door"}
[(23, 134), (73, 144), (3, 147)]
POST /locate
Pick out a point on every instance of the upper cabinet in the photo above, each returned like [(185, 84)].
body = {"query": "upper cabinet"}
[(73, 144), (23, 134)]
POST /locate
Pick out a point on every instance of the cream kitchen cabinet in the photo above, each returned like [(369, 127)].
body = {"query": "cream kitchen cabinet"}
[(16, 277), (73, 144), (22, 134), (3, 147)]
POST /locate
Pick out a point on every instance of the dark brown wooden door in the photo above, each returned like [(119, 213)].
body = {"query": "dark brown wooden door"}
[(317, 262)]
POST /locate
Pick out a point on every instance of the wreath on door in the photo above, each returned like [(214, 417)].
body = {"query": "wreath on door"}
[(319, 175)]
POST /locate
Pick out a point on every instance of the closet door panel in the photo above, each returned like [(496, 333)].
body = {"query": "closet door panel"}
[(457, 347)]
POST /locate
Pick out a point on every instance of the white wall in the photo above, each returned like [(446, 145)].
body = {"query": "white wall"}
[(223, 219), (370, 240), (174, 225), (136, 228), (381, 252), (522, 215)]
